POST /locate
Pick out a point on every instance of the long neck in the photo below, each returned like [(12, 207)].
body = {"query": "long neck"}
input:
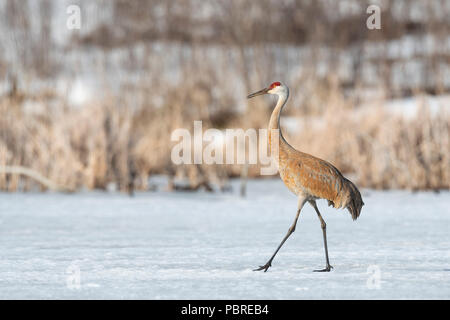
[(274, 122)]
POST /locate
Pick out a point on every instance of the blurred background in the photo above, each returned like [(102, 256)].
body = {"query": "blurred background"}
[(94, 107)]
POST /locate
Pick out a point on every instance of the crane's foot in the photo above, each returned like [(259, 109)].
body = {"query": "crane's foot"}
[(264, 267), (327, 269)]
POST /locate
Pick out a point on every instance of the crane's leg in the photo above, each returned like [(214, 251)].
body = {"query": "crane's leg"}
[(291, 230), (324, 231)]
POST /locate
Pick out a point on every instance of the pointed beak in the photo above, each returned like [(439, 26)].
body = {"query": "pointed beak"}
[(258, 93)]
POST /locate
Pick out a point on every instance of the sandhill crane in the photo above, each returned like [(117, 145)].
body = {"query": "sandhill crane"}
[(308, 177)]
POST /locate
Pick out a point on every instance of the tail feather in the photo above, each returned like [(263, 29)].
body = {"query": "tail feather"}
[(355, 202)]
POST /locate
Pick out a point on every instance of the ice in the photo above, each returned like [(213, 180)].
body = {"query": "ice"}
[(165, 245)]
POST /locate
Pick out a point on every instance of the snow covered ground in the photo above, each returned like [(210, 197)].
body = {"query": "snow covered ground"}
[(204, 246)]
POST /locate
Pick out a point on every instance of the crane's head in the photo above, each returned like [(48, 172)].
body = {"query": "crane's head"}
[(275, 88)]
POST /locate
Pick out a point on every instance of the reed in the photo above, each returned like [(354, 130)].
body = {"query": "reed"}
[(107, 144)]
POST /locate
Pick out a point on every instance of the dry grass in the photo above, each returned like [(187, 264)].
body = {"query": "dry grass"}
[(104, 143), (384, 151)]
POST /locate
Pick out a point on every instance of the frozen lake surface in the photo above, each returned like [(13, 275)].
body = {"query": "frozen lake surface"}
[(204, 246)]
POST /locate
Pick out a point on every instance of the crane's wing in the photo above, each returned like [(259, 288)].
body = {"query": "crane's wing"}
[(320, 178)]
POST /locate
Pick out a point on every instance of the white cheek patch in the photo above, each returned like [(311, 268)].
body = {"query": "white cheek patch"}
[(275, 90)]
